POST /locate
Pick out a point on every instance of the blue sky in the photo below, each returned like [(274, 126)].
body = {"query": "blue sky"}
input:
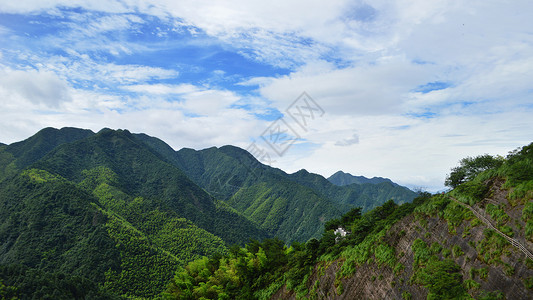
[(399, 89)]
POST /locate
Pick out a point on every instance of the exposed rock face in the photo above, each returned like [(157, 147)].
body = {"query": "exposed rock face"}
[(505, 274)]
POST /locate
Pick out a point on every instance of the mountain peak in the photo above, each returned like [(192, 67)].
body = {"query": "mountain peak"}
[(341, 178), (46, 139)]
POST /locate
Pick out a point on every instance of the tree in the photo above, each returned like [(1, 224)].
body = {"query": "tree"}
[(470, 167), (352, 215)]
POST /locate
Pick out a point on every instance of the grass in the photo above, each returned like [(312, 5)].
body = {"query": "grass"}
[(491, 247), (497, 213)]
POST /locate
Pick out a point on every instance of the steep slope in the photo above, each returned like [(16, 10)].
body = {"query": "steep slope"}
[(141, 171), (53, 226), (474, 242), (284, 208), (340, 178)]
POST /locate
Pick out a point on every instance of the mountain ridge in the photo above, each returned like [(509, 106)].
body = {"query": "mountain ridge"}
[(341, 178)]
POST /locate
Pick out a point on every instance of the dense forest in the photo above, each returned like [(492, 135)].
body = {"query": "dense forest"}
[(113, 215)]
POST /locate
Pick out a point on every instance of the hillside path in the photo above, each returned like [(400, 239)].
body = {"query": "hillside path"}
[(483, 219)]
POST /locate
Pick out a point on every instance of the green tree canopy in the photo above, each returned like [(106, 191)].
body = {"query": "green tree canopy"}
[(470, 167)]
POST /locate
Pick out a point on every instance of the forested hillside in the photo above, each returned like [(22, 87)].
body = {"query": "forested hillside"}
[(107, 209), (474, 242), (284, 208), (292, 207)]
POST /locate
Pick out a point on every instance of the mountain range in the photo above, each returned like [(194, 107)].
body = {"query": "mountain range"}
[(120, 213)]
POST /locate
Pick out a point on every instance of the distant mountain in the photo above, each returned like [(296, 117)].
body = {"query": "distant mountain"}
[(365, 195), (340, 178)]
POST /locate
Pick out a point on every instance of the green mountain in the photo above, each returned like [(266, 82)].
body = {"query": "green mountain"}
[(19, 155), (364, 195), (290, 206), (474, 242), (283, 208), (340, 178), (108, 209)]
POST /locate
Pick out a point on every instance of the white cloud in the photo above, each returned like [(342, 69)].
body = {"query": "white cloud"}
[(81, 68), (37, 87), (369, 89), (354, 139)]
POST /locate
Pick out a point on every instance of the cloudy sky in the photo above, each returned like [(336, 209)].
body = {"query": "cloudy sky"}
[(399, 89)]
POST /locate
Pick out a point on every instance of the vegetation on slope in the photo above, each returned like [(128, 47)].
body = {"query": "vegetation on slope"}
[(106, 216), (373, 242), (143, 172), (107, 209), (260, 192)]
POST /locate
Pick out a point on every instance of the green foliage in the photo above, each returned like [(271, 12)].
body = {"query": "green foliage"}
[(491, 247), (471, 191), (470, 167), (245, 273), (454, 214), (442, 278), (457, 251), (527, 216), (518, 167), (293, 214), (406, 295), (434, 206), (498, 214), (471, 284), (435, 248), (19, 282), (522, 192), (528, 282), (40, 176), (8, 167), (97, 176), (496, 295)]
